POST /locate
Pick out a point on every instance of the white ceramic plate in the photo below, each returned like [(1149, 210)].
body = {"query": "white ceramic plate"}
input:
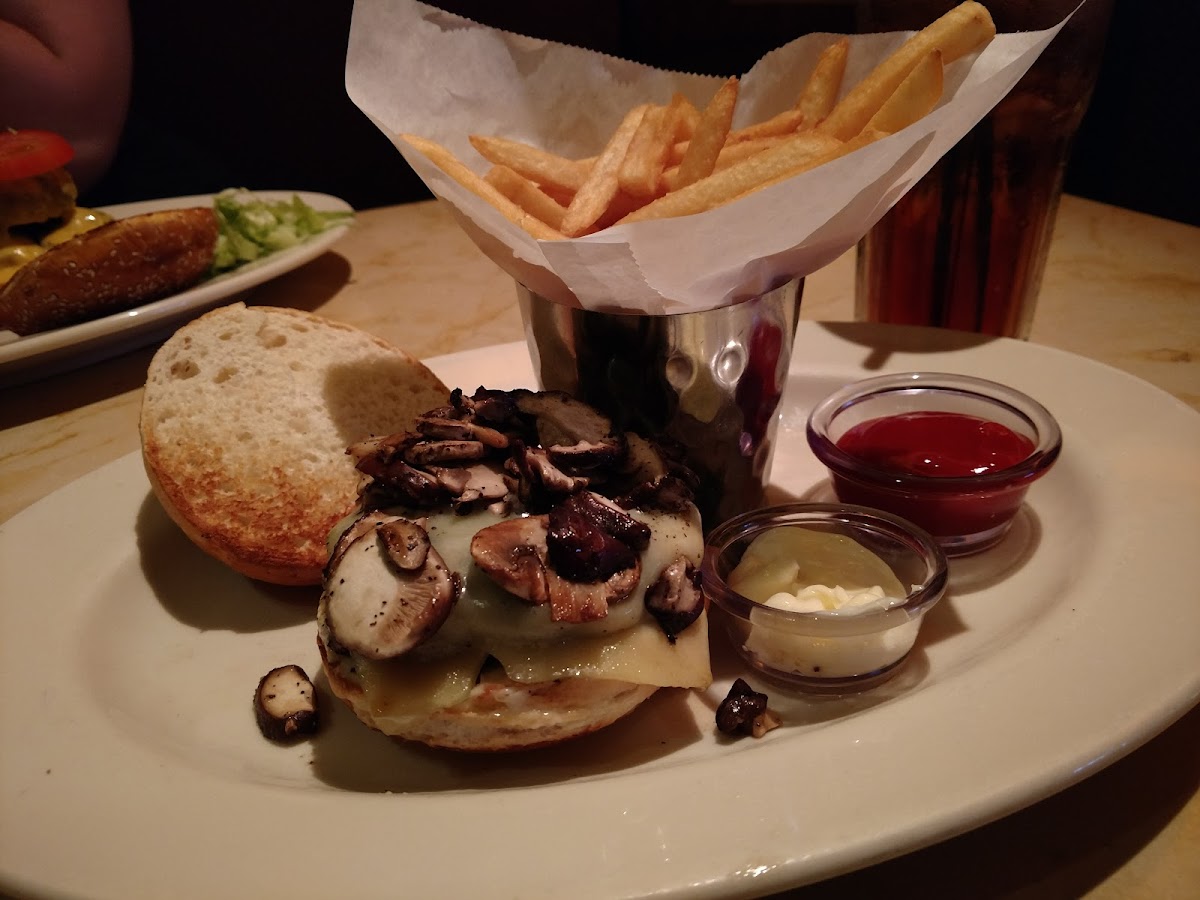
[(131, 766), (87, 342)]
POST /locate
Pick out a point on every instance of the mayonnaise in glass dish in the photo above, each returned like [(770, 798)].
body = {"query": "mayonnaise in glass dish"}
[(832, 656), (808, 597)]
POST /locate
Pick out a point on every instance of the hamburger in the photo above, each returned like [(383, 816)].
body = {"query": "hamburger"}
[(518, 573), (61, 264), (498, 571), (37, 198)]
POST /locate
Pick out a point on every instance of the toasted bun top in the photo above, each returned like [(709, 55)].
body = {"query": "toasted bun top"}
[(245, 421)]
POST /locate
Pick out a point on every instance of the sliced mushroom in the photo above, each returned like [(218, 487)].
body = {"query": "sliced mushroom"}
[(285, 704), (453, 478), (406, 543), (608, 515), (586, 456), (675, 599), (744, 711), (379, 610), (360, 526), (571, 601), (588, 540), (666, 493), (486, 482), (372, 455), (481, 482), (513, 553), (442, 428), (426, 453), (576, 435), (399, 484), (488, 407), (541, 484)]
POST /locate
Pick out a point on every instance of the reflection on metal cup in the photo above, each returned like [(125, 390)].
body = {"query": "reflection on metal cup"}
[(966, 247), (710, 381)]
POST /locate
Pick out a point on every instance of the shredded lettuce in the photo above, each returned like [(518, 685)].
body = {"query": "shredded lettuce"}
[(251, 228)]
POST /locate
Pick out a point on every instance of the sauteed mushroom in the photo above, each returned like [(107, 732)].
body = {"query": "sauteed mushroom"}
[(285, 704), (514, 554), (377, 607), (744, 711), (675, 600)]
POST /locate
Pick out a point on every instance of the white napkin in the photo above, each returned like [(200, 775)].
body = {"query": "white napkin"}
[(413, 68)]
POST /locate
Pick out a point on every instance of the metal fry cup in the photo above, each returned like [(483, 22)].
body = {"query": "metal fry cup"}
[(710, 381)]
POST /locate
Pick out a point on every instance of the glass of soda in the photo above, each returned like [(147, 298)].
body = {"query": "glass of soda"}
[(966, 247)]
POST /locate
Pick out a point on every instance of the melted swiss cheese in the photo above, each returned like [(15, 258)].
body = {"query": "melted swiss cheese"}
[(626, 645)]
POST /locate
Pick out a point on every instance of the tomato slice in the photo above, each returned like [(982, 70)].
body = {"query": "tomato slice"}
[(24, 154)]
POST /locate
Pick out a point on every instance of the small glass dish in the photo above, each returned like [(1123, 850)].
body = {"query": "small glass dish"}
[(966, 513), (827, 651)]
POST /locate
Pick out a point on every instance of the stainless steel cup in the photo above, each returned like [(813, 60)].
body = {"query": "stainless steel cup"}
[(710, 381)]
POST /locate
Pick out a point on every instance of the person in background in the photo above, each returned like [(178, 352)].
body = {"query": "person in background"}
[(66, 66)]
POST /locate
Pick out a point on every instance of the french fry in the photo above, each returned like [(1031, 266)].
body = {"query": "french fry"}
[(675, 154), (600, 187), (915, 97), (621, 206), (687, 117), (732, 153), (643, 163), (675, 160), (820, 90), (729, 154), (964, 29), (779, 124), (527, 195), (561, 196), (708, 139), (539, 166), (867, 136), (445, 159), (796, 154)]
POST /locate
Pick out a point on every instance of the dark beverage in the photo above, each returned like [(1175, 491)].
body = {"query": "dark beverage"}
[(966, 247)]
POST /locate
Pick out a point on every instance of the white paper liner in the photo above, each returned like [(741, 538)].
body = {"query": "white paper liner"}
[(413, 68)]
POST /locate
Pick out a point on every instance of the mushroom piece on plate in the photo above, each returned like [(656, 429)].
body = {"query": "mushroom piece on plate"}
[(285, 704), (744, 711)]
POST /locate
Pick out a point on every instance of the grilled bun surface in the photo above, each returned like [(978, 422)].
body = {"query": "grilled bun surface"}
[(114, 267), (245, 419)]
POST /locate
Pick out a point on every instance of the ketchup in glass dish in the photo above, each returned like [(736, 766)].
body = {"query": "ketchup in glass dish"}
[(937, 444), (951, 453)]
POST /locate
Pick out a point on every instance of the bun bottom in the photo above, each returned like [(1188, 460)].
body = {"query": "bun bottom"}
[(501, 714)]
